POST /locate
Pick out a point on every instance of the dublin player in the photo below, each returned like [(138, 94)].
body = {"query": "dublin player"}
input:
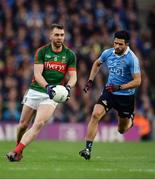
[(124, 77)]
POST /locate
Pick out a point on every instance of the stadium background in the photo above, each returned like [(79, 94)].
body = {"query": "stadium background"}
[(89, 27)]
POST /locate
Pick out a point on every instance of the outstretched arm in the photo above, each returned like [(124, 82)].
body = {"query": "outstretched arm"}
[(95, 69)]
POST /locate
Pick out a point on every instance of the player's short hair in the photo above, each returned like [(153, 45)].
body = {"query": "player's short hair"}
[(58, 26), (122, 35)]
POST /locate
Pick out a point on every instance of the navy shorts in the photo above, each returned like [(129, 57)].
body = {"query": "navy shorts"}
[(123, 104)]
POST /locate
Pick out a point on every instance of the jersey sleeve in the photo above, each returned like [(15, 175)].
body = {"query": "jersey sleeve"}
[(103, 56), (72, 62), (39, 57), (135, 66)]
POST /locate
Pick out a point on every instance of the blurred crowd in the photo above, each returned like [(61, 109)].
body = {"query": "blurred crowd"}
[(89, 25)]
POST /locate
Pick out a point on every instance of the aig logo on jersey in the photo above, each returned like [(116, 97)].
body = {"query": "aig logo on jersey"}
[(116, 71)]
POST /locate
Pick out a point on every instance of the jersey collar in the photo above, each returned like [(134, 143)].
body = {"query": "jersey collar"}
[(125, 53), (127, 50), (57, 51)]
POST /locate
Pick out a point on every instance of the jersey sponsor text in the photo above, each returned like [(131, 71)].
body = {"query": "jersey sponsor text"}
[(57, 66)]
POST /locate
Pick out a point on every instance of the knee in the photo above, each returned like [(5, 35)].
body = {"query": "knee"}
[(23, 125), (38, 125), (96, 116)]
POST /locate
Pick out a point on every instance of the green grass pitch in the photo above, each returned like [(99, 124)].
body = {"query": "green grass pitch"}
[(59, 159)]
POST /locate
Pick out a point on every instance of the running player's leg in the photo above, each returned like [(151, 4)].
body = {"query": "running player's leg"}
[(26, 116), (100, 109), (103, 105), (125, 108), (98, 113), (125, 123), (44, 112), (25, 119)]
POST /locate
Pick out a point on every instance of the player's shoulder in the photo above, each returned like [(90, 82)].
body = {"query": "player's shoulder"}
[(43, 48), (131, 55), (69, 51), (108, 51)]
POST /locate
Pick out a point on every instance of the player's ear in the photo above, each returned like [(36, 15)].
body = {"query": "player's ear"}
[(50, 35), (127, 43)]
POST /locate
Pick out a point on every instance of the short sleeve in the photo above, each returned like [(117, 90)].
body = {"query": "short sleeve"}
[(72, 61), (135, 66), (103, 56), (39, 57)]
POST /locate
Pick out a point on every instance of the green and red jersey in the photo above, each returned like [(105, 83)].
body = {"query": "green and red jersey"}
[(56, 65)]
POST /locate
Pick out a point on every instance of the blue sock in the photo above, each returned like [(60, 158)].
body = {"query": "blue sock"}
[(89, 145)]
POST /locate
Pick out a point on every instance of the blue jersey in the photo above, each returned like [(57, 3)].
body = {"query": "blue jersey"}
[(121, 68)]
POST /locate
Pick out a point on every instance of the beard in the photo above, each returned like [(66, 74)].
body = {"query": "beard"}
[(57, 44), (119, 51)]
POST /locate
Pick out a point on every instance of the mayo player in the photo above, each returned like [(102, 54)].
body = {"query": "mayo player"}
[(51, 63)]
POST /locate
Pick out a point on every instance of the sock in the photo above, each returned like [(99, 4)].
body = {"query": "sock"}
[(89, 145), (19, 148)]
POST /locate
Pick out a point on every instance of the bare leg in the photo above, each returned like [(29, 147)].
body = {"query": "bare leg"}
[(26, 116), (25, 119), (97, 114), (44, 112), (124, 124)]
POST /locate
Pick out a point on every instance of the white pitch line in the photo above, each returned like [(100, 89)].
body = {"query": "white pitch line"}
[(22, 168), (80, 169), (142, 170)]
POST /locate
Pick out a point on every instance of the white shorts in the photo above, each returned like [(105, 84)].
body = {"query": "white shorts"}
[(35, 98)]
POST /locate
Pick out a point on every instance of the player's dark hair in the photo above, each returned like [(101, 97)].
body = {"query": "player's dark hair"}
[(58, 26), (122, 35)]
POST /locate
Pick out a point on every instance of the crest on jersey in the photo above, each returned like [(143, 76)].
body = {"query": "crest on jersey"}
[(55, 58), (63, 59), (123, 61)]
